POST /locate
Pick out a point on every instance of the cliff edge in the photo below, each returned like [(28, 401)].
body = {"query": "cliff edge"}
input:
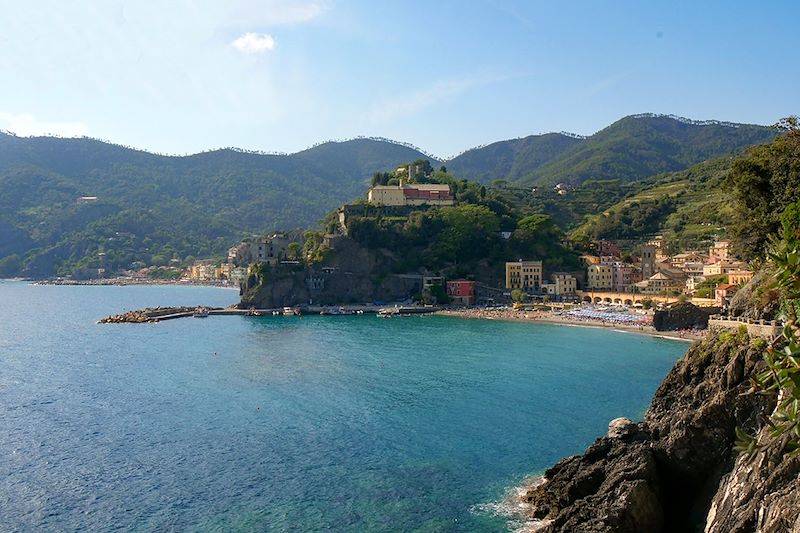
[(678, 470)]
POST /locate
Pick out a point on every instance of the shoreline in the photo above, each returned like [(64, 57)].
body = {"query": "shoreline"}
[(542, 318), (125, 282)]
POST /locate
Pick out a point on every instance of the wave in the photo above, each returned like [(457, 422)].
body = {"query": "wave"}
[(514, 508)]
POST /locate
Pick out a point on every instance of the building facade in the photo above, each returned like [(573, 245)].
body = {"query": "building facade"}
[(272, 249), (524, 275), (600, 277), (414, 194), (461, 291)]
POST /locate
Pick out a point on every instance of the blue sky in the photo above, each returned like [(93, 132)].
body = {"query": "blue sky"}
[(280, 75)]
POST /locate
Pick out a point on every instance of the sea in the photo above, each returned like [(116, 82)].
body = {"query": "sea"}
[(311, 423)]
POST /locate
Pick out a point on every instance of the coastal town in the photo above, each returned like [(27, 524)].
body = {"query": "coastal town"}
[(616, 286)]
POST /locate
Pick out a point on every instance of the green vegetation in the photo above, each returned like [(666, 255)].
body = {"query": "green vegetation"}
[(689, 209), (152, 209), (782, 378), (464, 238), (631, 149), (765, 183)]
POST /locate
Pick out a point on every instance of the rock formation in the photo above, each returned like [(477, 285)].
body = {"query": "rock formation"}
[(682, 316), (677, 470)]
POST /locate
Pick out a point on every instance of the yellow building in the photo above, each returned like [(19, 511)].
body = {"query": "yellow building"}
[(600, 276), (561, 285), (739, 277), (524, 275)]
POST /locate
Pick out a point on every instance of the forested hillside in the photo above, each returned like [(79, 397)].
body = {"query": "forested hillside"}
[(631, 149), (151, 208)]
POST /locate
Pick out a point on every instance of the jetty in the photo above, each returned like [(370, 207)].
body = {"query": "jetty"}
[(152, 315)]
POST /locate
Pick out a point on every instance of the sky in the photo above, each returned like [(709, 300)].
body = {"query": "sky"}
[(183, 76)]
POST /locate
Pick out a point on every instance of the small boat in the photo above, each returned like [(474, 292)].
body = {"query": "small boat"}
[(200, 312)]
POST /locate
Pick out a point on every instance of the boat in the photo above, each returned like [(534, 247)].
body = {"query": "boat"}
[(200, 312)]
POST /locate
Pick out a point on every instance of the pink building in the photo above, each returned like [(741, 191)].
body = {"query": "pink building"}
[(461, 291)]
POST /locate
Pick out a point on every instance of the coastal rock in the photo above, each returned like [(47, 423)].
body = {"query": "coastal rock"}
[(756, 300), (682, 316), (677, 470), (620, 427)]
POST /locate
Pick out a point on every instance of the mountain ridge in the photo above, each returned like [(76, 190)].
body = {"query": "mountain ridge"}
[(198, 204)]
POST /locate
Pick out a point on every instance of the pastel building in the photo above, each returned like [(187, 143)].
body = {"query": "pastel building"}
[(561, 285), (600, 277), (461, 291), (524, 275)]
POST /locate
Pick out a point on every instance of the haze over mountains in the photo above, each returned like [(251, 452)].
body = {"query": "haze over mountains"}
[(155, 206)]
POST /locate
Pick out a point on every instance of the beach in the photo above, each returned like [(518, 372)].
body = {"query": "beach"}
[(545, 317)]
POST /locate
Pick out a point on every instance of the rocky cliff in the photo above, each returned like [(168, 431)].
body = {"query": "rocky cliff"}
[(677, 470), (350, 274)]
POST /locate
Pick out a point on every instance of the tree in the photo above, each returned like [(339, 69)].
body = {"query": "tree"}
[(518, 296), (293, 250), (765, 181)]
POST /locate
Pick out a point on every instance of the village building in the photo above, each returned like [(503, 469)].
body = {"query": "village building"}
[(600, 277), (723, 267), (692, 282), (524, 275), (660, 282), (680, 260), (271, 249), (608, 248), (691, 268), (411, 194), (561, 284), (723, 294), (720, 250), (739, 277), (461, 291), (624, 276), (202, 271), (237, 255)]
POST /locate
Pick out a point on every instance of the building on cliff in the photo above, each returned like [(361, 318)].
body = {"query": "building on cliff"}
[(411, 194), (272, 249)]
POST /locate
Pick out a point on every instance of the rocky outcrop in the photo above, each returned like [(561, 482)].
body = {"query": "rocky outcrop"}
[(350, 274), (682, 316), (678, 470), (756, 300)]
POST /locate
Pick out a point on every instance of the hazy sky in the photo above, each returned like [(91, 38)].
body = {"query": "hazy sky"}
[(279, 75)]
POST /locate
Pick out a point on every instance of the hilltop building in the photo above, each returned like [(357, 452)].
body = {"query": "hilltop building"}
[(413, 194), (524, 275)]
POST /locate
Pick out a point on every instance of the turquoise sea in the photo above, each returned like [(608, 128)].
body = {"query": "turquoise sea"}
[(291, 423)]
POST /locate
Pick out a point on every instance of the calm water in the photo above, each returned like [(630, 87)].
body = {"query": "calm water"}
[(302, 424)]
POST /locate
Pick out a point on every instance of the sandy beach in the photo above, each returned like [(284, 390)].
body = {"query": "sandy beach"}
[(543, 317)]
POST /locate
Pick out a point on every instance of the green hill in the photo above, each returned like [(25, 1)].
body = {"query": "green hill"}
[(631, 149), (511, 160), (689, 208), (152, 207)]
